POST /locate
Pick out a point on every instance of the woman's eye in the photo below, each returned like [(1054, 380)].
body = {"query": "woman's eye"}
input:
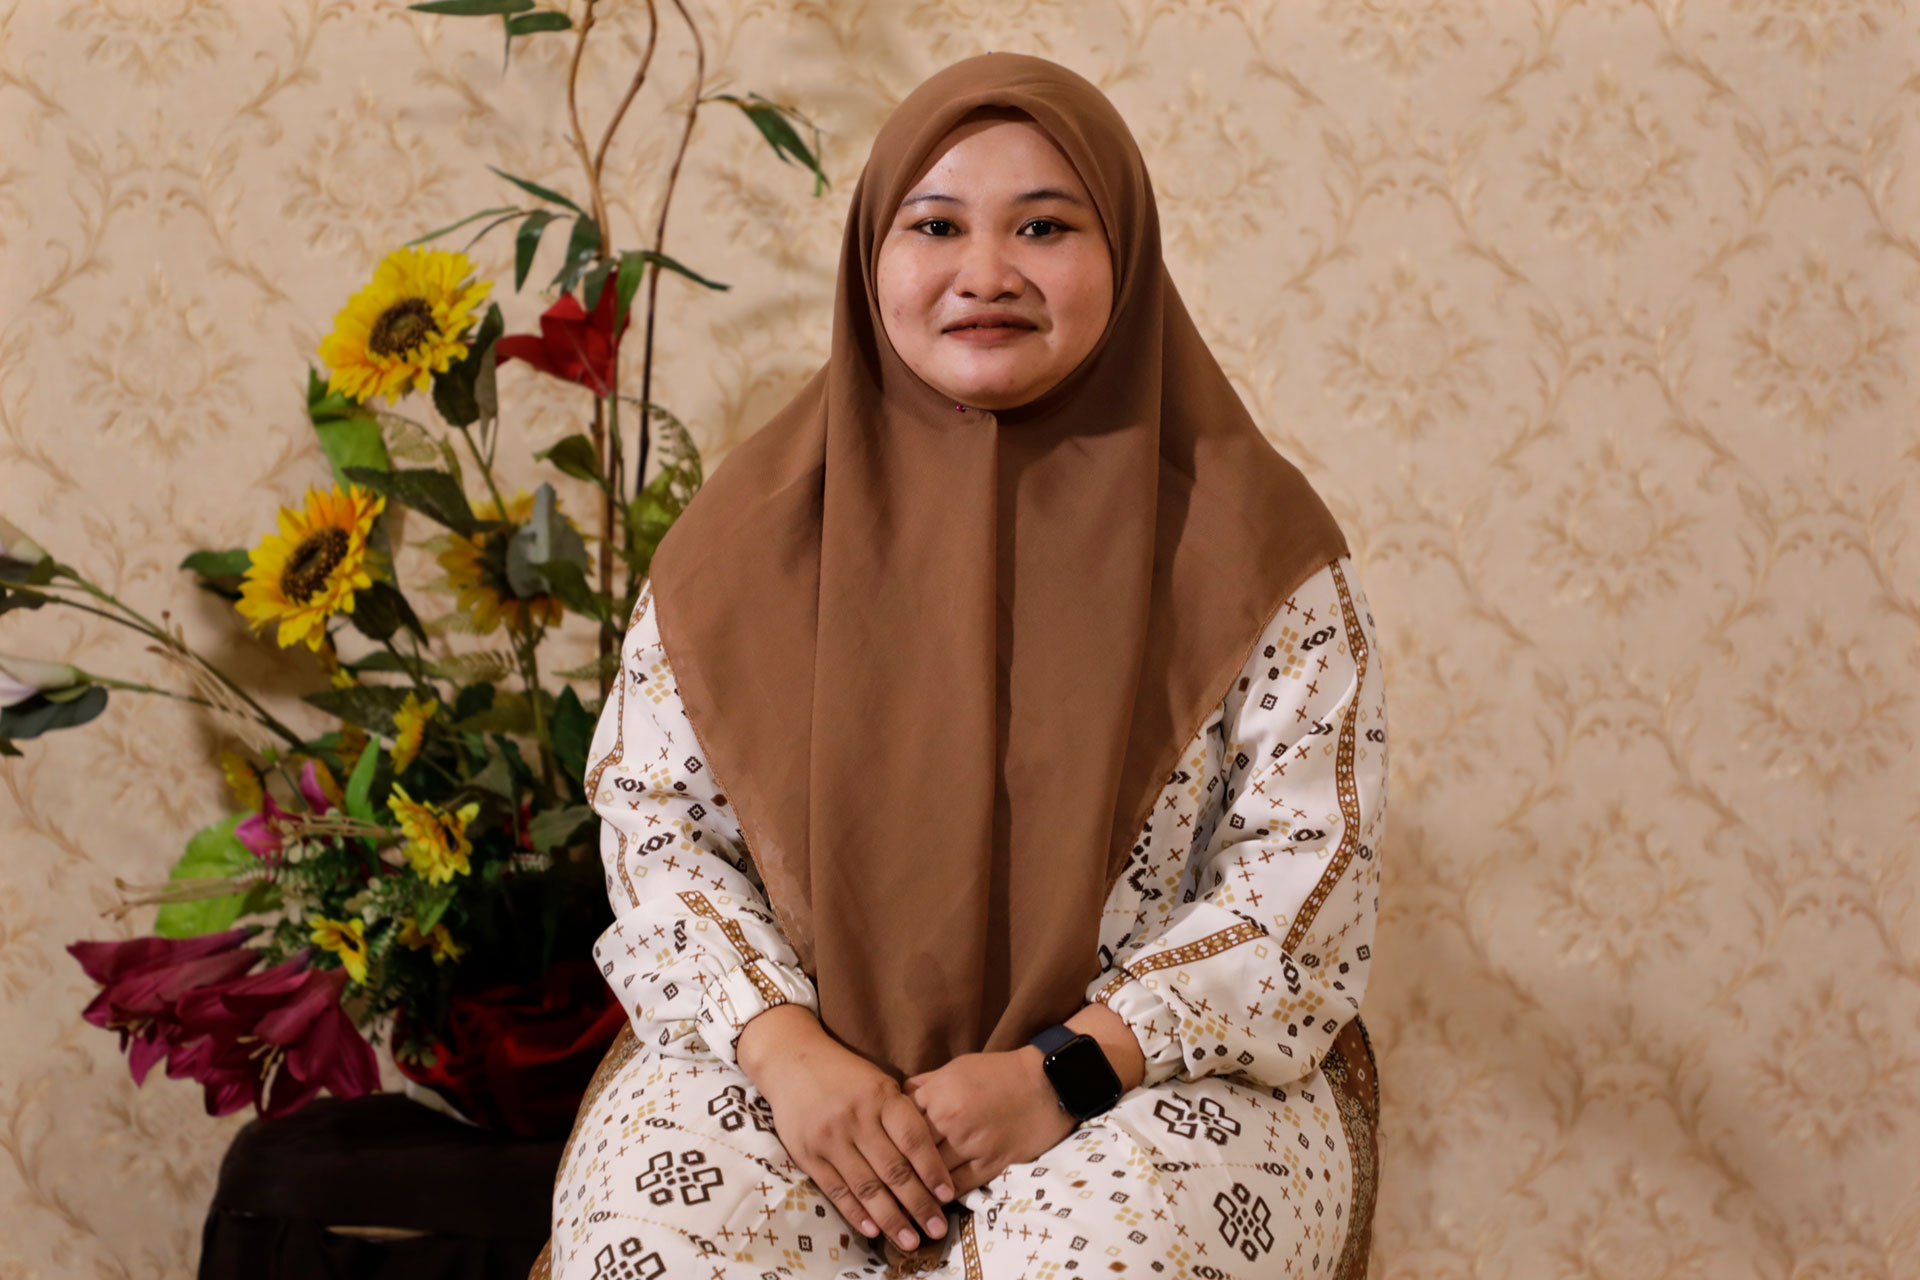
[(933, 222), (1046, 222)]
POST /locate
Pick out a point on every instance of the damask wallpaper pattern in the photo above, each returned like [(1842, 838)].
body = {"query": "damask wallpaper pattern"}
[(1594, 322)]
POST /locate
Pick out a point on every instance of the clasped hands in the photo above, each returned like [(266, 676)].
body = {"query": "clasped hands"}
[(889, 1156)]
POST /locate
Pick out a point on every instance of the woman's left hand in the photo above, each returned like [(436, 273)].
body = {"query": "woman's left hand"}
[(989, 1110)]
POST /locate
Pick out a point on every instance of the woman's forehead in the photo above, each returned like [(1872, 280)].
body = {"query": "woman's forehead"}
[(1016, 156)]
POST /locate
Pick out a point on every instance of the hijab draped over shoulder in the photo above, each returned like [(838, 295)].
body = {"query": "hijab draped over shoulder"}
[(943, 660)]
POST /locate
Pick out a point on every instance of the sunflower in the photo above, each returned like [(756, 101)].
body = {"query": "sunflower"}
[(405, 326), (477, 569), (242, 781), (308, 571), (346, 939), (410, 723), (437, 843), (444, 947)]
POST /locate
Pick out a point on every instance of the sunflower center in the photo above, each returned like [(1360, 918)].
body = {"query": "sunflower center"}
[(311, 562), (401, 327)]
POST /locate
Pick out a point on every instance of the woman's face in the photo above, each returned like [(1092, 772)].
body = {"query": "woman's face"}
[(999, 228)]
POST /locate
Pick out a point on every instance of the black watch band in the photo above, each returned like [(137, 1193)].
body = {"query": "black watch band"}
[(1077, 1067)]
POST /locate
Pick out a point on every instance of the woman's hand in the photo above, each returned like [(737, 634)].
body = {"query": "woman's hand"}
[(847, 1125), (989, 1110)]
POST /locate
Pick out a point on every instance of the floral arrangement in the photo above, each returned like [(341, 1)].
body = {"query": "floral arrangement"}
[(435, 845)]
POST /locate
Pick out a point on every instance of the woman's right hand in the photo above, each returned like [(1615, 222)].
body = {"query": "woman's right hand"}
[(848, 1126)]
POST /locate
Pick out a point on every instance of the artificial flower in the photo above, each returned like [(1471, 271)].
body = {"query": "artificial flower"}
[(308, 571), (265, 833), (572, 344), (477, 569), (408, 324), (437, 845), (346, 939), (242, 781), (23, 678), (17, 548), (410, 725), (274, 1039), (444, 947), (143, 979)]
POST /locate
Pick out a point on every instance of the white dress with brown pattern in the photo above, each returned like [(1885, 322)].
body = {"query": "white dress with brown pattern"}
[(1236, 944)]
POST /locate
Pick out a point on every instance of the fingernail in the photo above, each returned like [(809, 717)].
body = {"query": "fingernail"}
[(907, 1238), (936, 1227), (944, 1191), (867, 1228)]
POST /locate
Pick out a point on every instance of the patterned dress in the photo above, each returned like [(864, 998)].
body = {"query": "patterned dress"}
[(1236, 945)]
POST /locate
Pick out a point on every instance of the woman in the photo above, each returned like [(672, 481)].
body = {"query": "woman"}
[(1006, 687)]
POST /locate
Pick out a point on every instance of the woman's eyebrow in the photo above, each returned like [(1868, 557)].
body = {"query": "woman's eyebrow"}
[(1043, 193)]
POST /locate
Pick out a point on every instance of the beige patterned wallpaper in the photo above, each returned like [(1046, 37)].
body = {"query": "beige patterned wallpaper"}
[(1594, 322)]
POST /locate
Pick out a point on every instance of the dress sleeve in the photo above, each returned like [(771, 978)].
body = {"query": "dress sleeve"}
[(1266, 955), (693, 953)]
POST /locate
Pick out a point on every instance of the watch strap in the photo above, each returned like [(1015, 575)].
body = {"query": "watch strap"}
[(1053, 1037)]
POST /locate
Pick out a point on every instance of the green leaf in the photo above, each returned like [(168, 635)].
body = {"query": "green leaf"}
[(381, 610), (545, 193), (661, 259), (213, 853), (431, 904), (322, 404), (40, 714), (554, 828), (359, 792), (771, 119), (662, 499), (582, 245), (456, 393), (510, 713), (434, 494), (594, 281), (496, 778), (473, 8), (571, 731), (507, 209), (568, 581), (633, 270), (219, 564), (574, 455), (352, 442), (526, 243), (545, 20), (371, 706)]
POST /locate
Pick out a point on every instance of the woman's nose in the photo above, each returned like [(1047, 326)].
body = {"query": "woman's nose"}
[(987, 271)]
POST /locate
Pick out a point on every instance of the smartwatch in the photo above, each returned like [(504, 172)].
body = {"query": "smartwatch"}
[(1078, 1070)]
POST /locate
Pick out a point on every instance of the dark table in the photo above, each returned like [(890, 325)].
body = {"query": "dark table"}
[(377, 1187)]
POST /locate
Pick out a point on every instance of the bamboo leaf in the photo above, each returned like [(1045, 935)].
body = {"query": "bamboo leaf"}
[(508, 209), (473, 8), (545, 20), (526, 243), (545, 193)]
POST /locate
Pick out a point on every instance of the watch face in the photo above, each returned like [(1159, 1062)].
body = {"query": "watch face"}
[(1083, 1077)]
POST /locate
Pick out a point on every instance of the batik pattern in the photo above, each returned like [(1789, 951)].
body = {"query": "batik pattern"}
[(1236, 945)]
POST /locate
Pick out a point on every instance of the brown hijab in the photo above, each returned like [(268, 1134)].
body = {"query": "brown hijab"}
[(942, 660)]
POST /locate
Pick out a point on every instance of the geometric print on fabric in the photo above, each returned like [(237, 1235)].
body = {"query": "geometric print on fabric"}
[(1236, 944)]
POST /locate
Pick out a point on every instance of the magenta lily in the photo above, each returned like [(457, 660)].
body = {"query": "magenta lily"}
[(143, 979), (274, 1039)]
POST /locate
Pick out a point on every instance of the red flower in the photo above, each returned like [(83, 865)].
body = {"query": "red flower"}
[(571, 344), (275, 1040), (143, 979)]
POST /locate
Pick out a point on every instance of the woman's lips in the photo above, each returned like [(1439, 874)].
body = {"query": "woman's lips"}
[(991, 333)]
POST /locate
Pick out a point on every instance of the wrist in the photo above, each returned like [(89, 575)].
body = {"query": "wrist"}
[(1117, 1041), (775, 1032)]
